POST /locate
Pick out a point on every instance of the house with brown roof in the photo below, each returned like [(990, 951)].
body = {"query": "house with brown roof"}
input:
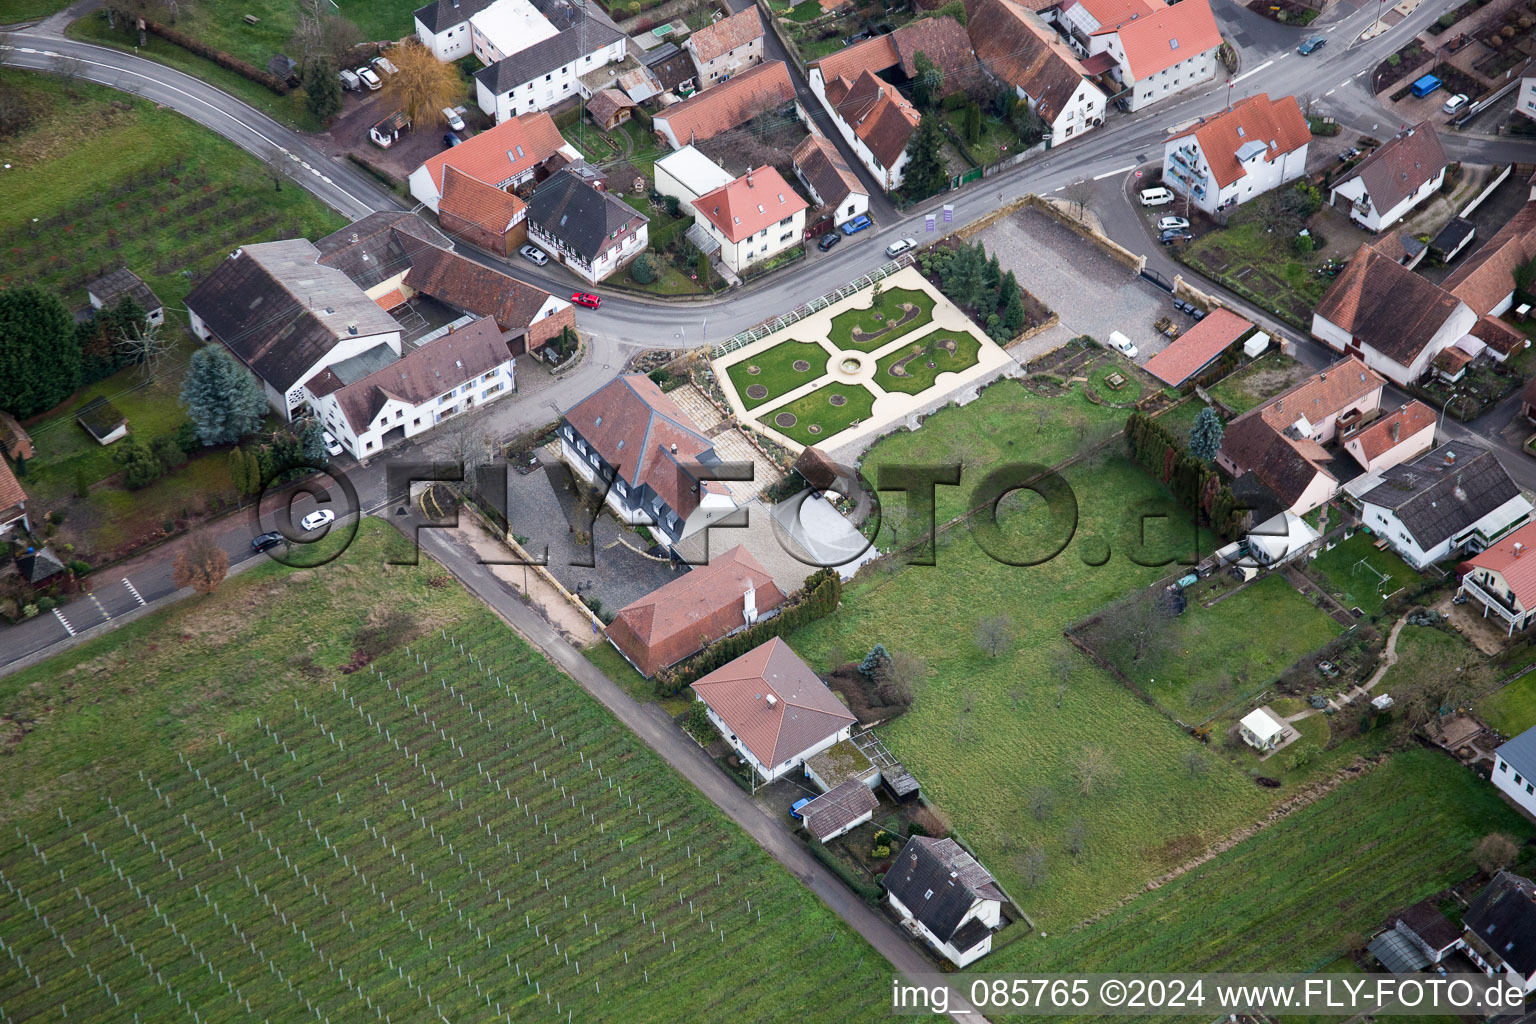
[(1281, 442), (106, 292), (727, 47), (481, 213), (1503, 579), (1154, 50), (1231, 157), (14, 439), (730, 104), (1199, 347), (589, 229), (505, 157), (753, 218), (838, 192), (1396, 437), (773, 710), (13, 502), (653, 463), (610, 108), (1018, 47), (693, 611), (1384, 187), (876, 121), (1486, 281)]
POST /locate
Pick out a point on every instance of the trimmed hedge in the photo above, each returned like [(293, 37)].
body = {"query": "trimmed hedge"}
[(1194, 484), (219, 57)]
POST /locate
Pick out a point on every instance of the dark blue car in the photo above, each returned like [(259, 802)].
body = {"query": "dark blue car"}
[(858, 224)]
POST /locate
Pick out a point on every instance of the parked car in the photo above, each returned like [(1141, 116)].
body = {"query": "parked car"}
[(1349, 154), (317, 519), (533, 254), (1173, 235), (900, 246), (455, 122), (858, 224), (1120, 343), (586, 299), (1455, 103), (368, 78), (1171, 223), (332, 446), (349, 79), (450, 139), (383, 66), (1311, 44), (1156, 197), (794, 811), (828, 240), (267, 541)]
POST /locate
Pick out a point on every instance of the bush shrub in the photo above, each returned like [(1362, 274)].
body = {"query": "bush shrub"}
[(643, 270), (219, 57)]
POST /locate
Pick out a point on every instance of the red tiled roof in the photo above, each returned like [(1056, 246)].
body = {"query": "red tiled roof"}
[(698, 608), (1518, 570), (1488, 275), (1278, 124), (478, 202), (817, 158), (1109, 13), (729, 104), (1197, 347), (749, 204), (1163, 38), (11, 494), (1451, 359), (774, 703), (1393, 429), (1026, 53), (876, 54), (726, 34), (498, 155), (476, 288), (943, 41), (1383, 304), (1497, 334), (879, 115), (392, 299)]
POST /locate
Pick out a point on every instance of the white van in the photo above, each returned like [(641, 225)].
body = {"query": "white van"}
[(455, 122), (349, 80), (1120, 343), (1156, 197)]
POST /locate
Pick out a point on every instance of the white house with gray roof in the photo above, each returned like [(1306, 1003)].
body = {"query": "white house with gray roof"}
[(1514, 770), (591, 231), (535, 70), (945, 897)]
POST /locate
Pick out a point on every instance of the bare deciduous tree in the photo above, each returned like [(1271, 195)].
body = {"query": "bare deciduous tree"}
[(1041, 800), (994, 635), (1017, 693), (1077, 837), (902, 678), (1196, 763), (1092, 769), (1032, 866), (1495, 852), (201, 565), (1080, 194), (142, 343)]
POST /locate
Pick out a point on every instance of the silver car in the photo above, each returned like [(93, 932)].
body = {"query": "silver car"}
[(533, 254)]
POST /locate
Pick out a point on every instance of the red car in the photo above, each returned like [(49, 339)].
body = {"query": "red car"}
[(586, 299)]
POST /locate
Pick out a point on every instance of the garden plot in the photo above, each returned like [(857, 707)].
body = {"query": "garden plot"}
[(854, 368)]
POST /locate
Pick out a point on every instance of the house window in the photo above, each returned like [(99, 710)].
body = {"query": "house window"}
[(1518, 779), (370, 446), (619, 486), (416, 422), (928, 895), (399, 414)]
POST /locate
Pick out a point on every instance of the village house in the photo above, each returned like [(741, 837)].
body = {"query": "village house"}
[(820, 166), (730, 104), (1502, 578), (630, 439), (1018, 47), (839, 810), (1428, 929), (443, 27), (727, 47), (687, 174), (773, 710), (1154, 50), (538, 52), (1403, 434), (704, 604), (1281, 442), (481, 214), (1455, 499), (1231, 157), (1386, 186), (946, 898), (752, 219), (1499, 928), (506, 157), (13, 502), (590, 230), (106, 292), (1486, 280), (673, 69)]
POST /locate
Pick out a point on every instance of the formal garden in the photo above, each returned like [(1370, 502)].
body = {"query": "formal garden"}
[(914, 367), (824, 413), (891, 314), (778, 371)]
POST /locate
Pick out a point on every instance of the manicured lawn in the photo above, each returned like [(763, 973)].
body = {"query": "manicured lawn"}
[(860, 329), (925, 358), (116, 181), (820, 411), (1207, 659), (777, 371), (12, 11), (202, 732), (1180, 419), (1266, 376), (986, 733), (1295, 896), (1353, 583), (1512, 709), (810, 10)]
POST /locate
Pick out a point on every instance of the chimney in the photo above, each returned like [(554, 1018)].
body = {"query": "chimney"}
[(1395, 429), (352, 327), (1323, 375), (674, 449), (1519, 548), (772, 700), (749, 177), (352, 238), (749, 604), (1450, 458)]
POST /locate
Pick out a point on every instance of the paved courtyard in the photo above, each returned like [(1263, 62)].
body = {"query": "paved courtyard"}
[(1092, 293)]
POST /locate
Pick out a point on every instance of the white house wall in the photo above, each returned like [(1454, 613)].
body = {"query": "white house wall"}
[(1406, 448), (1522, 792), (889, 177), (449, 44), (494, 384), (547, 89), (1353, 191)]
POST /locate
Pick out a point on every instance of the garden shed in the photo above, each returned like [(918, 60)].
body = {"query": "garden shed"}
[(1260, 729), (102, 420)]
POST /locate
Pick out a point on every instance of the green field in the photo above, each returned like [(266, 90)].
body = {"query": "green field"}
[(877, 320), (1209, 659), (1353, 583), (816, 418), (1301, 892), (102, 180), (947, 351), (12, 11), (776, 370), (1265, 377), (297, 842), (986, 734), (1512, 709)]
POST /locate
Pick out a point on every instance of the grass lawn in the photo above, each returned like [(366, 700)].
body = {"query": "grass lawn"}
[(848, 327), (1298, 894), (228, 720), (987, 734), (13, 11), (816, 417), (1259, 264), (117, 181), (1129, 391), (1512, 709), (1207, 659), (1180, 419), (1266, 376), (777, 371), (1429, 657), (997, 140), (925, 358), (1360, 587)]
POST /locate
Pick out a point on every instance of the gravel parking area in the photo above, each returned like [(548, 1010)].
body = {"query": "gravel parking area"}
[(1092, 293)]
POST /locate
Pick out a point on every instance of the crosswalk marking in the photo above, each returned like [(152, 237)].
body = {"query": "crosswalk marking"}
[(134, 591), (64, 622)]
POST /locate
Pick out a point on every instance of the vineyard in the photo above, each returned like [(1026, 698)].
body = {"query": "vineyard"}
[(453, 833)]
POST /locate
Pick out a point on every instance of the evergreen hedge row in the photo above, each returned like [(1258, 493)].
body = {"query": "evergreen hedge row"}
[(1194, 484)]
